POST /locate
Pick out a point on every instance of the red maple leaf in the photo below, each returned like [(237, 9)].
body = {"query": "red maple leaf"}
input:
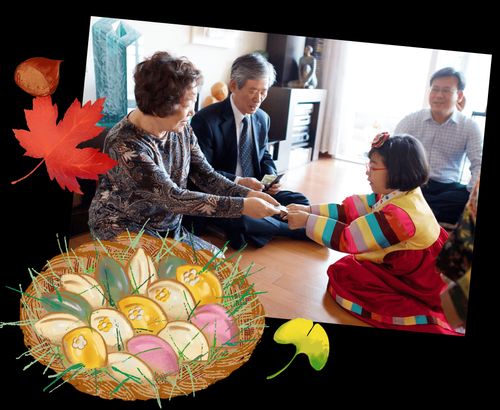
[(56, 143)]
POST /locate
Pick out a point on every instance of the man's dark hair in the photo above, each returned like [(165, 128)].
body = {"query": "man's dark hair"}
[(450, 72)]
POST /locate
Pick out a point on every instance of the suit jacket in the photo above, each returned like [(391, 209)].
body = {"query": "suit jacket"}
[(215, 129)]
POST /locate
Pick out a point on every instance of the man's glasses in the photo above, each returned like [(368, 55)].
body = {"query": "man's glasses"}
[(445, 90), (370, 168)]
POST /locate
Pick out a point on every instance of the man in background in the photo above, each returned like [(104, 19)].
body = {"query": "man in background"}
[(448, 136)]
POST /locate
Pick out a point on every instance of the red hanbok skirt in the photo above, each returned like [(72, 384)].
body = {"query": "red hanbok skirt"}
[(401, 293)]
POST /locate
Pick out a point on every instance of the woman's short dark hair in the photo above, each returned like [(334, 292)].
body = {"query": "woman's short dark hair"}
[(161, 81), (405, 160)]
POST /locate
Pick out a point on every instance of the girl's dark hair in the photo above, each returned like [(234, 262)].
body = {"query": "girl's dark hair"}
[(161, 81), (405, 160)]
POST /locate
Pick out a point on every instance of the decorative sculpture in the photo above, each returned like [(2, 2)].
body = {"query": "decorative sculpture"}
[(219, 93), (110, 41), (307, 71)]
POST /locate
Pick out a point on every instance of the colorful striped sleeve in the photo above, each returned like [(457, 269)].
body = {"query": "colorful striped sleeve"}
[(369, 232), (350, 209)]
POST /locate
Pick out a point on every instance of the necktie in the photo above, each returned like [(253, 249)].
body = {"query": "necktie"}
[(246, 151)]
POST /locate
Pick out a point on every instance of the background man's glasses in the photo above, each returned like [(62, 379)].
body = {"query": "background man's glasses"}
[(445, 91)]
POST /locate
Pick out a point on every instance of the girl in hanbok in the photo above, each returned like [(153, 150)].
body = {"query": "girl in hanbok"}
[(389, 279)]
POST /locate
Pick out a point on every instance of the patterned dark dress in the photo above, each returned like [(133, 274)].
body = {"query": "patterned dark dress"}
[(147, 188)]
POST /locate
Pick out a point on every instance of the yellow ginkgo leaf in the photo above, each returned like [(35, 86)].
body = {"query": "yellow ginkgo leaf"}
[(310, 339)]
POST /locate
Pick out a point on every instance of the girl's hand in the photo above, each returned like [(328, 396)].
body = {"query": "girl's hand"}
[(297, 207), (297, 219)]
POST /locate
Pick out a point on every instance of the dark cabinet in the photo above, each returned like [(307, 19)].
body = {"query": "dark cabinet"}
[(296, 124)]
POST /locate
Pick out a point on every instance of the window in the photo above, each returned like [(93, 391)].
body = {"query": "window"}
[(383, 83)]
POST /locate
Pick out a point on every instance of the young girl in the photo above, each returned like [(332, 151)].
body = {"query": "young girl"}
[(389, 279)]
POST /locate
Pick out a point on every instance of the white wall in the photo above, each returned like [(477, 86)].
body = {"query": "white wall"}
[(214, 62)]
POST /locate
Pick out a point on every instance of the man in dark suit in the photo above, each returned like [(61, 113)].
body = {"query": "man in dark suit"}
[(233, 135)]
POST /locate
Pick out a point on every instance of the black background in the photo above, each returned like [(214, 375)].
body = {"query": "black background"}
[(365, 365)]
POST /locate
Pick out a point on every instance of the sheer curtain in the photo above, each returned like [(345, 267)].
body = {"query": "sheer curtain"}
[(371, 87), (333, 79)]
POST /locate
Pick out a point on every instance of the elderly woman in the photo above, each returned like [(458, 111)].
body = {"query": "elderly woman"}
[(157, 152)]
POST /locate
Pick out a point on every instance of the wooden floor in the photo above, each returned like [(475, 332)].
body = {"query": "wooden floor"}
[(293, 273)]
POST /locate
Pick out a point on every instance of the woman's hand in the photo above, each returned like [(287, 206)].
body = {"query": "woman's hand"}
[(298, 207), (264, 196), (251, 183), (297, 219), (257, 207)]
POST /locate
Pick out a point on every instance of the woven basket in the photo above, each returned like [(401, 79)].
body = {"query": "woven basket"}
[(197, 375)]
